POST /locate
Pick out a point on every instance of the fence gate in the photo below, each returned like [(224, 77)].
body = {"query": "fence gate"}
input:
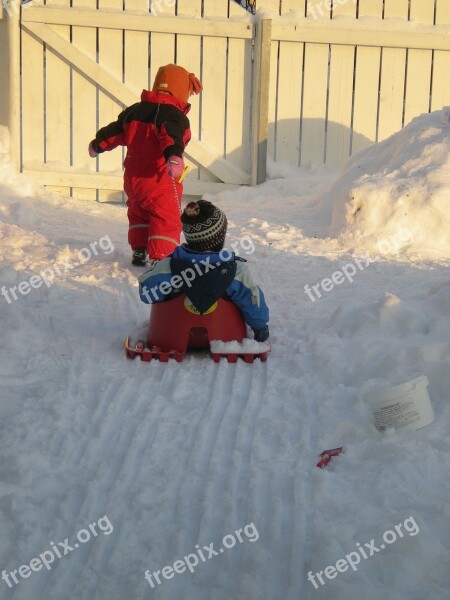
[(83, 62)]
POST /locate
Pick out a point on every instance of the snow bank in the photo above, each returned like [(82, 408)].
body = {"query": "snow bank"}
[(393, 197)]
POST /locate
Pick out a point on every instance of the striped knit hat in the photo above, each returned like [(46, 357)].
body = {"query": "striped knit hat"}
[(204, 226)]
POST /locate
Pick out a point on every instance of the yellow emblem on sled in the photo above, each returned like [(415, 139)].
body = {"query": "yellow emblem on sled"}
[(191, 308)]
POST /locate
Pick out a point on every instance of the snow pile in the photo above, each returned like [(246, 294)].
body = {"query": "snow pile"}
[(393, 198)]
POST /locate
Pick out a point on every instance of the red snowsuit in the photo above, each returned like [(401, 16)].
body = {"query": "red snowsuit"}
[(153, 130)]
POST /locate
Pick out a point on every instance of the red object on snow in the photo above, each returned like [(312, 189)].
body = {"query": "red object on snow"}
[(327, 455), (176, 325)]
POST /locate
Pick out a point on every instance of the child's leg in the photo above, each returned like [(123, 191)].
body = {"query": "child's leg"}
[(138, 219), (164, 228)]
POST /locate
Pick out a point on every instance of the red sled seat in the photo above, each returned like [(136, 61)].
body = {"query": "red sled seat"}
[(176, 325)]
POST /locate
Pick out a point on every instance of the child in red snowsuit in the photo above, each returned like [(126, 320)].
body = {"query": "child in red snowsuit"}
[(156, 132)]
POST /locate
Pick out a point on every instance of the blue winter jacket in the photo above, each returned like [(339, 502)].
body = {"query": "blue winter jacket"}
[(205, 277)]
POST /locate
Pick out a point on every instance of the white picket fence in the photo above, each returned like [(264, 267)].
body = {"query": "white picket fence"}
[(303, 84)]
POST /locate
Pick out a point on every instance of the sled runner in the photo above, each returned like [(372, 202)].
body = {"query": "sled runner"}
[(175, 326)]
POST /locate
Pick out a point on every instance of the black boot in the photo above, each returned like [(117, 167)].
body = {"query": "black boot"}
[(139, 257)]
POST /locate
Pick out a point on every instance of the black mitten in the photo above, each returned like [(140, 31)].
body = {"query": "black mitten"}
[(261, 335)]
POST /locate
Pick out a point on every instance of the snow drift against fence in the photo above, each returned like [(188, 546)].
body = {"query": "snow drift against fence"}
[(396, 191)]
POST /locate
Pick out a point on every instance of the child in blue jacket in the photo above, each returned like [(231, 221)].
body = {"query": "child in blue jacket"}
[(205, 271)]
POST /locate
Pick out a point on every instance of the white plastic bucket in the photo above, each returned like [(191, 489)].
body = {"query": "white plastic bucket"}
[(405, 406)]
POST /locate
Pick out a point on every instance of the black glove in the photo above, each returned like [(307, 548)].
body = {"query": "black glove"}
[(261, 335)]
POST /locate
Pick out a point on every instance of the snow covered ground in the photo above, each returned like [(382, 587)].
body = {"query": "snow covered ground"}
[(158, 458)]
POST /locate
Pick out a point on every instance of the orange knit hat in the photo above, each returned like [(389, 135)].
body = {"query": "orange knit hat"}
[(177, 81)]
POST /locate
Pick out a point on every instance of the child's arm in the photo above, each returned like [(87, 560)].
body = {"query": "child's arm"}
[(174, 133), (155, 284), (249, 298), (111, 136)]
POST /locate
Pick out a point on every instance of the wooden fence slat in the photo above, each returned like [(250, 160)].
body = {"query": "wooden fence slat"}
[(289, 92), (314, 111), (391, 92), (392, 84), (10, 92), (339, 119), (273, 5), (58, 105), (440, 93), (162, 45), (32, 57), (136, 45), (189, 55), (367, 73), (239, 95), (315, 90), (84, 111), (260, 94), (420, 64), (110, 56), (214, 78), (273, 97)]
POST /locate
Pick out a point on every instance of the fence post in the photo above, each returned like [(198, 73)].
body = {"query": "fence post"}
[(260, 109), (14, 87), (10, 69), (3, 67)]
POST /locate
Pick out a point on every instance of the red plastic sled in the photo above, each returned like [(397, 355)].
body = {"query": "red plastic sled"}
[(176, 326)]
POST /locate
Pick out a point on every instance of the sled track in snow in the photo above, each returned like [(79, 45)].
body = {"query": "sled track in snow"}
[(124, 419), (211, 496), (118, 422), (111, 451)]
